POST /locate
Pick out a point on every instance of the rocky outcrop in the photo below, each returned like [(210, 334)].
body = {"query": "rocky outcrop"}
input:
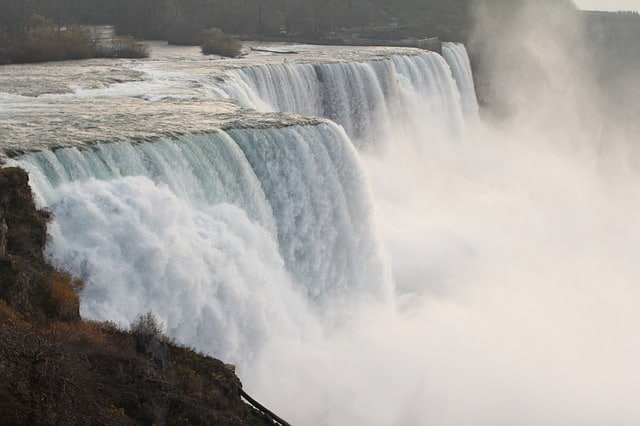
[(28, 283), (84, 373)]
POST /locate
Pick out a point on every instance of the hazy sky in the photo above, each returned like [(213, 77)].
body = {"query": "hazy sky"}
[(608, 4)]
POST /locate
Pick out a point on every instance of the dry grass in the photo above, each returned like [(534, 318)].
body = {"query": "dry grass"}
[(8, 315), (64, 295)]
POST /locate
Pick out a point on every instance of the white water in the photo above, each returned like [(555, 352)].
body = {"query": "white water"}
[(447, 273), (223, 236), (369, 99)]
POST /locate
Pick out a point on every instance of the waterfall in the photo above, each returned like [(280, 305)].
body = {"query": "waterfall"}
[(391, 260), (216, 233), (458, 60), (301, 186), (369, 99), (294, 248)]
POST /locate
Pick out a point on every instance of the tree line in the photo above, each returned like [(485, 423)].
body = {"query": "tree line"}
[(162, 19), (184, 20)]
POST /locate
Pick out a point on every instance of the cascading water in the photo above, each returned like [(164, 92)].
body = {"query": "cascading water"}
[(369, 99), (302, 189), (457, 58), (244, 239), (233, 225), (442, 272)]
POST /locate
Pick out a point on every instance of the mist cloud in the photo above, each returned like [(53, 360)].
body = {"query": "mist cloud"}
[(512, 254)]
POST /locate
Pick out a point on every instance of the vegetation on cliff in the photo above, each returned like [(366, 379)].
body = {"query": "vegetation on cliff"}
[(58, 369)]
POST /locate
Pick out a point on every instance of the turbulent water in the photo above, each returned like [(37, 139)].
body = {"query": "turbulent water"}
[(342, 225)]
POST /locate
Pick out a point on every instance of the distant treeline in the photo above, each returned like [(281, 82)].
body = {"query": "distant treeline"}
[(184, 20)]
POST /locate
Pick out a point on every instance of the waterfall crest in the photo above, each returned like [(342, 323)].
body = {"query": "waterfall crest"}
[(369, 98)]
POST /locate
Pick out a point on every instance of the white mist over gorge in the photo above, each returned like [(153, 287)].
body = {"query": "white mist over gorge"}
[(347, 226)]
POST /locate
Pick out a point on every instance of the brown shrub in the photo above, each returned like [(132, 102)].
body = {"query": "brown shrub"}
[(65, 299), (218, 43), (50, 44), (8, 315), (122, 47), (147, 325), (64, 295)]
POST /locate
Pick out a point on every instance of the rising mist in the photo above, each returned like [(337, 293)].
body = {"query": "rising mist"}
[(512, 255)]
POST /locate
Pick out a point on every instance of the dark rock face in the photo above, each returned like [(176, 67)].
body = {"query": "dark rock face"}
[(3, 236), (58, 369), (27, 226), (27, 282)]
